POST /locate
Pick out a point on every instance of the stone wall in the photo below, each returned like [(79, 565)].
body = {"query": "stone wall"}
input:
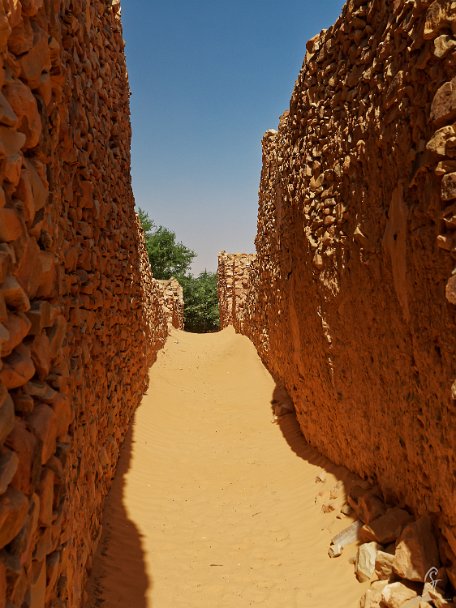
[(233, 284), (173, 302), (80, 316), (352, 295)]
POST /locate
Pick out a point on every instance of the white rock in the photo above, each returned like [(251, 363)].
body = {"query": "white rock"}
[(396, 594), (365, 561)]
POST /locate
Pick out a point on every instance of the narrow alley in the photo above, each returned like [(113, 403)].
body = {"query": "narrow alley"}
[(214, 504)]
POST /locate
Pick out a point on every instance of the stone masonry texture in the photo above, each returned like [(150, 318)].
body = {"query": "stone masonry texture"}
[(81, 317), (351, 299), (233, 283), (172, 302)]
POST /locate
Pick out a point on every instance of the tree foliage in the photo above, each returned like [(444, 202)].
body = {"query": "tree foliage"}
[(201, 312), (169, 258)]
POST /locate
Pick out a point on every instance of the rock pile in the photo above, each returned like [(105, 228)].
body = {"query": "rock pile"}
[(352, 293), (80, 315), (399, 555)]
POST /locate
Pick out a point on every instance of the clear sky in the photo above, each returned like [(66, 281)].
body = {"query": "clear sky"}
[(208, 78)]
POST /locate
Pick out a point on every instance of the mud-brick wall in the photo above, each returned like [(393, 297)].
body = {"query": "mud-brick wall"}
[(173, 302), (233, 283), (79, 312), (352, 298)]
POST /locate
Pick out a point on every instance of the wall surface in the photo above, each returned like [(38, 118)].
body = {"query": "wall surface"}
[(173, 302), (81, 318), (352, 294), (233, 283)]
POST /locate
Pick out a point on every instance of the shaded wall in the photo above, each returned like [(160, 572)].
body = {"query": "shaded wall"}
[(352, 294), (81, 318)]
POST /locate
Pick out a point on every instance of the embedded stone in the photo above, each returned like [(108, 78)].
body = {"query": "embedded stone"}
[(48, 276), (318, 261), (18, 368), (386, 528), (6, 414), (44, 424), (11, 142), (62, 407), (39, 316), (53, 562), (57, 335), (450, 290), (25, 444), (439, 140), (23, 404), (37, 60), (18, 326), (38, 587), (46, 493), (14, 12), (10, 225), (443, 45), (12, 166), (41, 391), (3, 312), (443, 106), (416, 550), (22, 545), (5, 261), (14, 294), (4, 336), (29, 271), (21, 38), (7, 115), (31, 190), (31, 7), (13, 513), (9, 462), (449, 187), (24, 105), (41, 355), (5, 31)]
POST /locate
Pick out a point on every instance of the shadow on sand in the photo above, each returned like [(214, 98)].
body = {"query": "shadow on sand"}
[(288, 423), (119, 578)]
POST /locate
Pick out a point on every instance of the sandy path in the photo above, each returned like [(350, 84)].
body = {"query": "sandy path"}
[(213, 505)]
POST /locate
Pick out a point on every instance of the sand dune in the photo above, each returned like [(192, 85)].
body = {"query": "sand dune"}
[(213, 504)]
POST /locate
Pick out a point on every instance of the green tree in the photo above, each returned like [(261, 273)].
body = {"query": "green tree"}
[(146, 222), (201, 311), (167, 257)]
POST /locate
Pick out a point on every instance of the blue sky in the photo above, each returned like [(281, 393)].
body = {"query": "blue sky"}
[(208, 78)]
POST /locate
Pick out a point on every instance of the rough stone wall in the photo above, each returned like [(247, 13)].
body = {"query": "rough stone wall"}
[(173, 302), (352, 294), (233, 284), (80, 318)]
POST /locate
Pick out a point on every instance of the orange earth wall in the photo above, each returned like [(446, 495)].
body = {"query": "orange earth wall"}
[(233, 282), (351, 299), (81, 318)]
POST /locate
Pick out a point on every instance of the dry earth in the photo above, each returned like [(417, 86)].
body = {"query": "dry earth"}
[(213, 504)]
